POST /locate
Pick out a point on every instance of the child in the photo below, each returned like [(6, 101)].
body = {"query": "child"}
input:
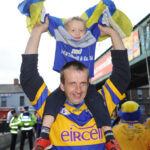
[(76, 29)]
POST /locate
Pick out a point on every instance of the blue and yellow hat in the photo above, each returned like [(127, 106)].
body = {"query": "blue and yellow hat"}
[(130, 111)]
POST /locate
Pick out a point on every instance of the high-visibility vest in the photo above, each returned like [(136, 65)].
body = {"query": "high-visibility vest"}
[(27, 121), (14, 125)]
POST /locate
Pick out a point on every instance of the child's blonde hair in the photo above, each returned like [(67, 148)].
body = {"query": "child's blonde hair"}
[(74, 18)]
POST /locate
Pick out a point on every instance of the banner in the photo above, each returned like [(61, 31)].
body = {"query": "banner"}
[(102, 67), (132, 43)]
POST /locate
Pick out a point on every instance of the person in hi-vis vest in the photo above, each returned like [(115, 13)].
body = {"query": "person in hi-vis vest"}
[(14, 128), (27, 121)]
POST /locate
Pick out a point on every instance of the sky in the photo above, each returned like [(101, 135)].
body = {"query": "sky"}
[(14, 34)]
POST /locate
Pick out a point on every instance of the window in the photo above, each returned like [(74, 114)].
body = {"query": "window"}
[(3, 101), (21, 100), (139, 93)]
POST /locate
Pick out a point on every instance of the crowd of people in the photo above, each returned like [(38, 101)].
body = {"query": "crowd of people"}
[(27, 123), (128, 130)]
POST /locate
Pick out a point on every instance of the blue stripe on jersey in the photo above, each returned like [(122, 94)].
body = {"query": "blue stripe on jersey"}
[(114, 98), (104, 96), (75, 106), (80, 119), (86, 147), (42, 99)]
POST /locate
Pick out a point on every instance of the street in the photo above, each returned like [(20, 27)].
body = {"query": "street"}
[(26, 146)]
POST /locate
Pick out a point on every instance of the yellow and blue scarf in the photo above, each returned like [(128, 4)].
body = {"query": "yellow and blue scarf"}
[(105, 13)]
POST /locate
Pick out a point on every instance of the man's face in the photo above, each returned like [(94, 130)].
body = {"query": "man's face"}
[(76, 29), (75, 85)]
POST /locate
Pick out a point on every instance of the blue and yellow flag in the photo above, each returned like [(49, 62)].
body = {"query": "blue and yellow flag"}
[(105, 13)]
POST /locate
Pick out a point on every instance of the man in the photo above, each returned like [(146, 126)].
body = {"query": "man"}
[(14, 128), (130, 133), (74, 127), (27, 121), (38, 125), (9, 115)]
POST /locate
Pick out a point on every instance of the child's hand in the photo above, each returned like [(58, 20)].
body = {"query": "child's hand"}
[(106, 31), (41, 27)]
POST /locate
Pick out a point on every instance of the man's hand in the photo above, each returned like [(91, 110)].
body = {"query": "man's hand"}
[(106, 31), (115, 37), (33, 42), (41, 28)]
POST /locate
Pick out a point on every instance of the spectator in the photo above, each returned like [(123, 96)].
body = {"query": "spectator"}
[(14, 128), (130, 133), (114, 116), (27, 121), (9, 115), (38, 125), (4, 125)]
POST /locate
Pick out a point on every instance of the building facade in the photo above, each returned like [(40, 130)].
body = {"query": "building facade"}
[(12, 96)]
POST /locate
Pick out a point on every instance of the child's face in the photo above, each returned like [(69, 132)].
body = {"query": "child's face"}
[(76, 28)]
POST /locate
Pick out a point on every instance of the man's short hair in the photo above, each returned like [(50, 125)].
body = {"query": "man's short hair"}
[(13, 111), (26, 107), (76, 65)]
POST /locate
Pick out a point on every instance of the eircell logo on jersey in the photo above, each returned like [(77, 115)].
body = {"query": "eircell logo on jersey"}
[(84, 134)]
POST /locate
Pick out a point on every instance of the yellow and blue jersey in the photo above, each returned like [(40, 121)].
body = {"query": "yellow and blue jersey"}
[(132, 135), (75, 128)]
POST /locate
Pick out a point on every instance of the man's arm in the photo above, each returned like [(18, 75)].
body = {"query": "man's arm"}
[(31, 82), (115, 87), (120, 76)]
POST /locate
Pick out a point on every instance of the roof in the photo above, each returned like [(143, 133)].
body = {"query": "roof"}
[(10, 88), (145, 18), (144, 86)]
